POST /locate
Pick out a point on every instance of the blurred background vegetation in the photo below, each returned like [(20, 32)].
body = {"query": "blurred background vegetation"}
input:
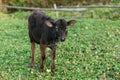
[(49, 3), (106, 13)]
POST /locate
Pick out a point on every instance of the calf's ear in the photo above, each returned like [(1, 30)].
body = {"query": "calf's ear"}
[(48, 23), (71, 22)]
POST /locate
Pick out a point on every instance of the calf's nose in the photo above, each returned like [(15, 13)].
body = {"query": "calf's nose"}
[(62, 39)]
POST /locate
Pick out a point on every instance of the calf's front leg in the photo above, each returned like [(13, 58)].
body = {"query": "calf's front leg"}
[(42, 48), (53, 60)]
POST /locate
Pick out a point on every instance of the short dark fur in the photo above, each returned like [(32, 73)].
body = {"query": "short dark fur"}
[(46, 35)]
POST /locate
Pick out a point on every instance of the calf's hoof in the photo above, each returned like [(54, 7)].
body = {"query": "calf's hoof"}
[(41, 70), (31, 65), (53, 70)]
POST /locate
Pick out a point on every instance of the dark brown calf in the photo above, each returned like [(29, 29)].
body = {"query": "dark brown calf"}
[(45, 31)]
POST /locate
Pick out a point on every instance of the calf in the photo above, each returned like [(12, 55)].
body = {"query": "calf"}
[(47, 32)]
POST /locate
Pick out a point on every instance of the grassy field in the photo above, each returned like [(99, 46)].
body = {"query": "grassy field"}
[(91, 51)]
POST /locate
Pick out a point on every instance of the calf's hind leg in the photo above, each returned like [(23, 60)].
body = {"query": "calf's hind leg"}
[(33, 54)]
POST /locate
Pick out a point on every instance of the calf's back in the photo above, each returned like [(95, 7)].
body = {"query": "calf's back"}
[(39, 32)]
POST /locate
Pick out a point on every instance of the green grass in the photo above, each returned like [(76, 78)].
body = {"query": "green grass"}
[(91, 52)]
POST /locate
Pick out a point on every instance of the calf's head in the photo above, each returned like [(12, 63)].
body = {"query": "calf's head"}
[(62, 26)]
